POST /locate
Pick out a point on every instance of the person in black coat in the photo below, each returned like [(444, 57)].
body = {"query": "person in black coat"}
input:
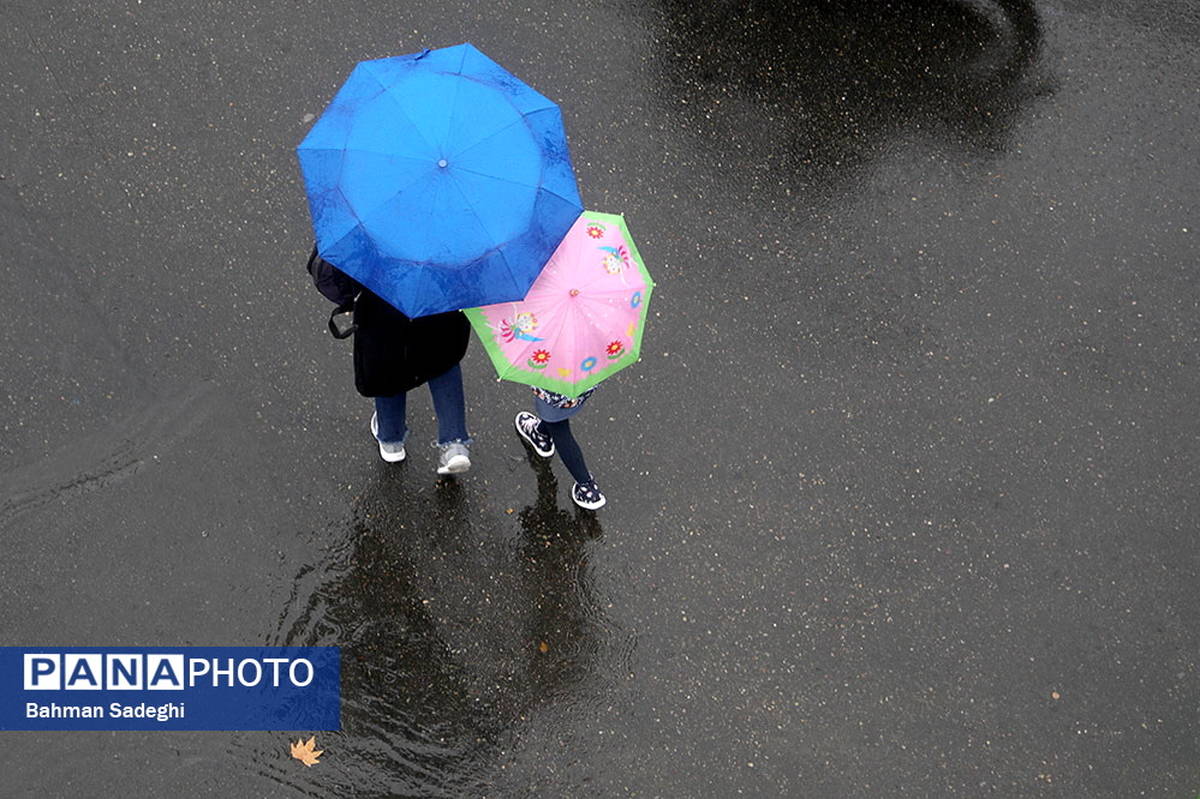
[(394, 354)]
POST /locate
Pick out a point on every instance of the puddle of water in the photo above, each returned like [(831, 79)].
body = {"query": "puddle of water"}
[(455, 629)]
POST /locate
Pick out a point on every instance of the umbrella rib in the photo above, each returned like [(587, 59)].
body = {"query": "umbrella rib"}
[(391, 98), (454, 102), (623, 292), (599, 281), (478, 218), (361, 218), (497, 177), (576, 334), (549, 283), (508, 268), (463, 58), (369, 152), (417, 293), (519, 183), (392, 196), (342, 237), (467, 147), (337, 187)]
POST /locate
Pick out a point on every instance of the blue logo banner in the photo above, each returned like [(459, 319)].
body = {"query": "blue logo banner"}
[(170, 688)]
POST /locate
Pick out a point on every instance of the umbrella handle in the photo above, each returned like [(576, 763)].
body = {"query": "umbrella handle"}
[(345, 307)]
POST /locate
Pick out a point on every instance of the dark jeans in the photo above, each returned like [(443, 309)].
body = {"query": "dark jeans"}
[(568, 448), (448, 403)]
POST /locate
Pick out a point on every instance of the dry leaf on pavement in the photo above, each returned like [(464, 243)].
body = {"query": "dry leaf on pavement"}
[(303, 751)]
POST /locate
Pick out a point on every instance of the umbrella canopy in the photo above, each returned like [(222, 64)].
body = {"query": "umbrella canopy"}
[(439, 180), (583, 319)]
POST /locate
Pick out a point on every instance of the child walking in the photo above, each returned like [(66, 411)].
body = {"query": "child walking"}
[(580, 323), (550, 430)]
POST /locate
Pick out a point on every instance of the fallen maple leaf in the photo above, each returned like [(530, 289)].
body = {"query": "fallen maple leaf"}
[(302, 750)]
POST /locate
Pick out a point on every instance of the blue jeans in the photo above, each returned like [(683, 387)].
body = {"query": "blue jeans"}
[(448, 403)]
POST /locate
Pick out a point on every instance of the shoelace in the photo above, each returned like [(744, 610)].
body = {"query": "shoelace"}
[(530, 426)]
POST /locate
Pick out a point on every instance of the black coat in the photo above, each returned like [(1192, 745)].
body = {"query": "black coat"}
[(392, 353)]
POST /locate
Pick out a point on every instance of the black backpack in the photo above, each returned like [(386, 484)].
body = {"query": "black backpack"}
[(337, 287)]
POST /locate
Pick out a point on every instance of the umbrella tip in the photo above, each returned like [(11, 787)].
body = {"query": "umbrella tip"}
[(422, 54)]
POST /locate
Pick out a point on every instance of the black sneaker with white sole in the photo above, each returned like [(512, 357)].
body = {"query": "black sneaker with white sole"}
[(587, 495), (530, 429)]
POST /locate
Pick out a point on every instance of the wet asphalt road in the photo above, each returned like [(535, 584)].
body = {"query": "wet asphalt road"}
[(902, 496)]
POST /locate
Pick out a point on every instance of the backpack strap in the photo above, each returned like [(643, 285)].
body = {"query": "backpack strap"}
[(337, 287), (345, 307)]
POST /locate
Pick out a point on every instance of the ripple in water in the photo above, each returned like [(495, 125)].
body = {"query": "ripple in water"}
[(455, 625)]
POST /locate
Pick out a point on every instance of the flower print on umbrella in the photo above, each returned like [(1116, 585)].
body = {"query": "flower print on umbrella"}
[(521, 327), (539, 359), (614, 350), (595, 230), (616, 261)]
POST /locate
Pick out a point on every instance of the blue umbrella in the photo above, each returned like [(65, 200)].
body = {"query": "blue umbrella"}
[(439, 180)]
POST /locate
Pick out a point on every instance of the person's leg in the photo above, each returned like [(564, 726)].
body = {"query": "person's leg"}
[(450, 406), (451, 409), (389, 417), (389, 428), (585, 493), (567, 448)]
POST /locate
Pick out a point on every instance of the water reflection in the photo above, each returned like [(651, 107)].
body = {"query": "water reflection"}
[(454, 632), (814, 90)]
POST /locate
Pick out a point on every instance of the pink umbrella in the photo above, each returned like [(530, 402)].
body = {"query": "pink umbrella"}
[(582, 319)]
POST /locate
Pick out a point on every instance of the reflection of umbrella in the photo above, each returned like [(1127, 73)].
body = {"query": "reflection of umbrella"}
[(583, 318), (438, 180)]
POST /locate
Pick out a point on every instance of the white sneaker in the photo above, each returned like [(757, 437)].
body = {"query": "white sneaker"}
[(455, 459), (392, 453)]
